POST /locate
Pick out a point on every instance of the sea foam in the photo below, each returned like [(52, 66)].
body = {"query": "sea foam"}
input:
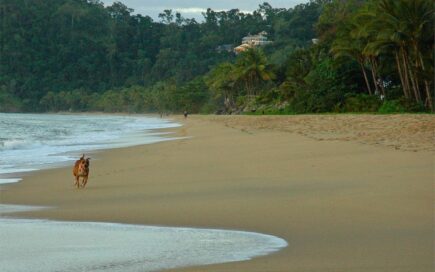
[(49, 246), (36, 141)]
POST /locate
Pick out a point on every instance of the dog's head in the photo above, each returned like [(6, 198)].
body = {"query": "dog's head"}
[(83, 163)]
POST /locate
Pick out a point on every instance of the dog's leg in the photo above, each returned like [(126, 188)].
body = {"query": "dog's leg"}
[(85, 180)]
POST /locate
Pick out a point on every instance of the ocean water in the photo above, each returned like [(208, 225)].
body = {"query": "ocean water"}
[(49, 246), (34, 141)]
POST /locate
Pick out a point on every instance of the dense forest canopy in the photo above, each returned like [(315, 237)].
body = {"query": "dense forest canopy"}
[(326, 56)]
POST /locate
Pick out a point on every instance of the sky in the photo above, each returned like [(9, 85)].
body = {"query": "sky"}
[(193, 8)]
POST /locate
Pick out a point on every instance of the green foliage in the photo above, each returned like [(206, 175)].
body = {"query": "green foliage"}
[(79, 55), (75, 100), (76, 55), (313, 86), (221, 81), (251, 70), (361, 103), (401, 105), (391, 33), (8, 102), (412, 106), (391, 106), (209, 108), (191, 96)]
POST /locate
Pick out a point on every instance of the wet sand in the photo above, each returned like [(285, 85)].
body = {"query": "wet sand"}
[(356, 198)]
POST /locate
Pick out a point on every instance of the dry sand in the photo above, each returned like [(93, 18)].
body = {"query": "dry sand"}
[(347, 192)]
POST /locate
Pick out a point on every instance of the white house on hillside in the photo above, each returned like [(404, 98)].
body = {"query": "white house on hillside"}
[(251, 41)]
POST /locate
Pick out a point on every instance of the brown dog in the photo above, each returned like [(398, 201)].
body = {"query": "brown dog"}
[(81, 169)]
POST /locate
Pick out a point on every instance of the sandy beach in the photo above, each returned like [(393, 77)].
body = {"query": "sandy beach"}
[(347, 192)]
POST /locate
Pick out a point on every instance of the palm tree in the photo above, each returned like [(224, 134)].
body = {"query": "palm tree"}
[(350, 43), (298, 66), (403, 27), (221, 81), (252, 69)]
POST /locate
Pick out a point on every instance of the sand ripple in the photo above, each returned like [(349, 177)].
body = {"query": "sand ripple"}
[(411, 132)]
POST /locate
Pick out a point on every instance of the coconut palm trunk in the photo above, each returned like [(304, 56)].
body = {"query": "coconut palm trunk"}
[(401, 76), (428, 100), (409, 76), (369, 88), (373, 70)]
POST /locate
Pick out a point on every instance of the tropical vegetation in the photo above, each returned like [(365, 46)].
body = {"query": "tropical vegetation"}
[(326, 56)]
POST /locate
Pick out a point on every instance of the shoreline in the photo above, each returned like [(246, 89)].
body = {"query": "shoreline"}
[(131, 248), (339, 205), (63, 157)]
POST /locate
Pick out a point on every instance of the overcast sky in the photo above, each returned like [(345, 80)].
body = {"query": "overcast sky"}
[(193, 8)]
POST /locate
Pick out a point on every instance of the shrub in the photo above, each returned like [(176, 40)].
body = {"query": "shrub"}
[(361, 103), (391, 106), (9, 103), (412, 106)]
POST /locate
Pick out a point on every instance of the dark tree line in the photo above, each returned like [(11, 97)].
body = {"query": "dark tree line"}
[(78, 55)]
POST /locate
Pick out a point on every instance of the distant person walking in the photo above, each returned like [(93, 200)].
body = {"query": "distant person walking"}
[(185, 114)]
